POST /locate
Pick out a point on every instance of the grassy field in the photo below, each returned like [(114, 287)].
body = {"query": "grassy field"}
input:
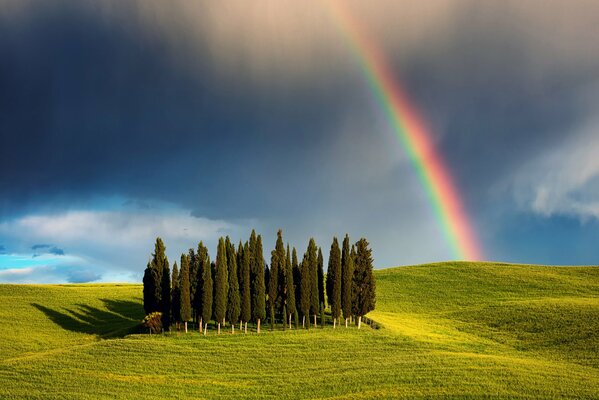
[(450, 330)]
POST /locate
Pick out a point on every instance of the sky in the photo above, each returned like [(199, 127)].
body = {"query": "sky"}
[(191, 120)]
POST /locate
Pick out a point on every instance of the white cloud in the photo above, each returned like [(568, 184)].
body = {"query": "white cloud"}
[(105, 245), (565, 179)]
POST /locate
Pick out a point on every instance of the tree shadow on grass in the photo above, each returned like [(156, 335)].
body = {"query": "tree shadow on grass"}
[(120, 318)]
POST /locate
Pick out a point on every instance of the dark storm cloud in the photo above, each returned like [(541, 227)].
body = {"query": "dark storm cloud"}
[(89, 106), (232, 113)]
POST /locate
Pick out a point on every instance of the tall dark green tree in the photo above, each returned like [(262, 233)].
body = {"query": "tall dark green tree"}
[(194, 267), (166, 296), (334, 281), (246, 295), (363, 282), (347, 275), (273, 286), (153, 279), (202, 259), (259, 292), (289, 287), (297, 278), (149, 291), (207, 293), (320, 277), (185, 296), (282, 272), (305, 290), (233, 298), (176, 295), (313, 260), (221, 283)]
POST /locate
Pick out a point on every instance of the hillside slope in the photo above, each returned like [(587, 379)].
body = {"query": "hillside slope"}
[(450, 330)]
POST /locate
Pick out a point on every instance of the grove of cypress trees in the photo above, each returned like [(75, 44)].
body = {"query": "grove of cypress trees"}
[(347, 274), (258, 295), (313, 274), (334, 281), (176, 295), (244, 279), (233, 298), (206, 293), (363, 281), (184, 288), (221, 283), (290, 287)]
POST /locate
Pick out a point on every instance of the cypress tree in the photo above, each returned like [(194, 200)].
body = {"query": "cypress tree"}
[(305, 286), (313, 260), (194, 267), (320, 277), (273, 286), (221, 283), (363, 281), (176, 294), (281, 288), (290, 287), (347, 273), (157, 264), (297, 278), (185, 296), (246, 296), (334, 281), (206, 293), (233, 298), (258, 295), (149, 291), (166, 296), (202, 259)]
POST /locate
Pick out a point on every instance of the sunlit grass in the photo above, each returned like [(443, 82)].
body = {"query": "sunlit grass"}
[(449, 330)]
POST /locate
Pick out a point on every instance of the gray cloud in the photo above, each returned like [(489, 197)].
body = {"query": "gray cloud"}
[(237, 111)]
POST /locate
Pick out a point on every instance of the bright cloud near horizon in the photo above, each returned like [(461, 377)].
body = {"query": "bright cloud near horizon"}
[(190, 120)]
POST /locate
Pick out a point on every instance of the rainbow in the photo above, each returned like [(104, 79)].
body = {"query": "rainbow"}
[(412, 134)]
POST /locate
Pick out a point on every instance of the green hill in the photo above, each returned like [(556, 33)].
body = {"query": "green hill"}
[(449, 330)]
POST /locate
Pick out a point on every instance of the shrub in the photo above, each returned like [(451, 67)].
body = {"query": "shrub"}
[(153, 322)]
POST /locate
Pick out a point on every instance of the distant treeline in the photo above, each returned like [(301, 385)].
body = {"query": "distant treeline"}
[(239, 287)]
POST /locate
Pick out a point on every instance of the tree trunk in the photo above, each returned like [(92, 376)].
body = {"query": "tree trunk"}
[(233, 329), (205, 328), (304, 321), (201, 324), (258, 326), (240, 325), (289, 321), (246, 327), (334, 322), (315, 325), (359, 321), (346, 322), (218, 329), (185, 326)]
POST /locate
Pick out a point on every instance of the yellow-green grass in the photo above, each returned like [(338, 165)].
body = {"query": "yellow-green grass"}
[(449, 330)]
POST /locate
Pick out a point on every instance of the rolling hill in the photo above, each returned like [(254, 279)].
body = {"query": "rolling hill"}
[(448, 330)]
